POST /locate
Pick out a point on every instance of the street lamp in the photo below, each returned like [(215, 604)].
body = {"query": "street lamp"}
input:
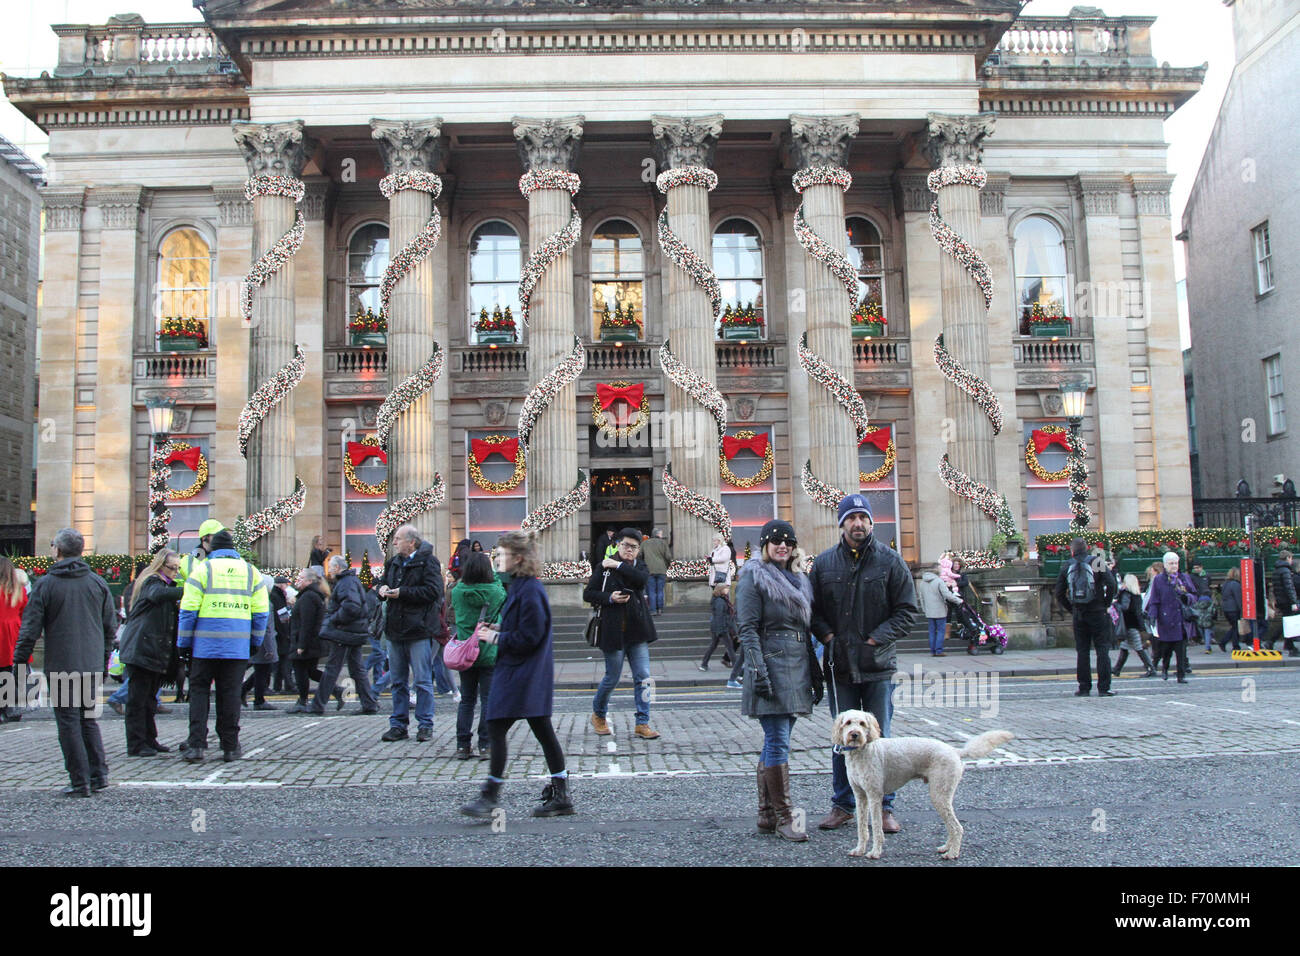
[(1074, 398), (161, 410)]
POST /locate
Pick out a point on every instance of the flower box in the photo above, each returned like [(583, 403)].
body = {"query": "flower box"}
[(1048, 329), (177, 343), (741, 333), (863, 330), (620, 335), (376, 340), (496, 338)]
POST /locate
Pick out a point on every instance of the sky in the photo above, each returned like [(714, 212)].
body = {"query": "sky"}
[(1186, 33)]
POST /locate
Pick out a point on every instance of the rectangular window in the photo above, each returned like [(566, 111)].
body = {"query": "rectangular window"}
[(362, 501), (749, 507), (1047, 498), (489, 510), (1263, 259), (1276, 400), (880, 464)]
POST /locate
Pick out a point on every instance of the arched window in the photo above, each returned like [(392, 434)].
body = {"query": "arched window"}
[(367, 260), (867, 253), (184, 281), (738, 263), (617, 282), (1040, 271), (495, 263)]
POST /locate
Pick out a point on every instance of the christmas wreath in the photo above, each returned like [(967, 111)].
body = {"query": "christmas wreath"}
[(507, 448), (1039, 440), (731, 446), (606, 395), (192, 458), (356, 453), (880, 437)]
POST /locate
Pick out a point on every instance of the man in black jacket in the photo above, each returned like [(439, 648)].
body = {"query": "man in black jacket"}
[(345, 630), (73, 608), (1284, 596), (1092, 627), (863, 602), (413, 591)]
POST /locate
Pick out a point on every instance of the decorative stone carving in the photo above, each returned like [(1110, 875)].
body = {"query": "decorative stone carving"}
[(1100, 194), (120, 206), (993, 195), (1051, 402), (180, 421), (274, 149), (494, 413), (957, 140), (549, 143), (233, 208), (1152, 192), (744, 407), (369, 415), (63, 208), (872, 402), (319, 199), (822, 140), (685, 140), (882, 380), (409, 145), (911, 192)]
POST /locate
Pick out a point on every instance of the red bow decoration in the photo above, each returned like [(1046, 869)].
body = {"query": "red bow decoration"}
[(190, 457), (879, 438), (358, 452), (758, 445), (632, 394), (1043, 439), (508, 449)]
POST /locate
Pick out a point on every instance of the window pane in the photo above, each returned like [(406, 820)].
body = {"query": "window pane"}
[(494, 254), (368, 253), (184, 274), (737, 252), (1040, 249)]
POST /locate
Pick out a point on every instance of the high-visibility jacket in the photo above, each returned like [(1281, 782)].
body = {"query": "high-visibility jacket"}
[(190, 561), (225, 609)]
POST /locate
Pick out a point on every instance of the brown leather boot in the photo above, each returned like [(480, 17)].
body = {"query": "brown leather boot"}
[(766, 819), (600, 724), (778, 788)]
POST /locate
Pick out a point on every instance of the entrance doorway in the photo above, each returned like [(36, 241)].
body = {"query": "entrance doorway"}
[(621, 498)]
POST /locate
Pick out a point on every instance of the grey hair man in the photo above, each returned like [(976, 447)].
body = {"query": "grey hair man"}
[(413, 591), (345, 630), (72, 608)]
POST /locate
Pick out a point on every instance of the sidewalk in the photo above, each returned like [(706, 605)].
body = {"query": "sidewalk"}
[(1052, 661)]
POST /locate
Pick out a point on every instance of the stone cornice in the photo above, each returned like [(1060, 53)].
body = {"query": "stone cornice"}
[(119, 206), (1100, 193), (95, 101), (63, 206), (1152, 192)]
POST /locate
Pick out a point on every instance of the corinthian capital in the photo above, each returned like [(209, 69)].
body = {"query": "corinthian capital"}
[(685, 140), (822, 140), (408, 145), (548, 143), (274, 149), (957, 140)]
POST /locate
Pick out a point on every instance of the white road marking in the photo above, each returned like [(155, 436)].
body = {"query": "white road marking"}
[(213, 776), (256, 750), (1229, 710), (1179, 703), (613, 769), (200, 785), (312, 724), (285, 736), (611, 747), (1296, 722)]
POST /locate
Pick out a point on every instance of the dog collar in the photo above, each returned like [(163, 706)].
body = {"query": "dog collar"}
[(842, 748)]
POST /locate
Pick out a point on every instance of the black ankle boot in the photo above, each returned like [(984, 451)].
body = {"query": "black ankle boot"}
[(488, 800), (1151, 670), (555, 799), (1119, 664)]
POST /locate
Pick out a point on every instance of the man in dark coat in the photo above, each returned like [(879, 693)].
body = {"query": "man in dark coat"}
[(72, 607), (413, 592), (1092, 627), (1284, 596), (345, 629), (617, 588), (863, 602)]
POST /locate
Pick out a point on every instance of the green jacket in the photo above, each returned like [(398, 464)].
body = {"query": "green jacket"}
[(467, 603)]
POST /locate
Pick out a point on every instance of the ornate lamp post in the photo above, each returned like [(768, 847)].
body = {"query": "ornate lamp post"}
[(160, 424), (1074, 398)]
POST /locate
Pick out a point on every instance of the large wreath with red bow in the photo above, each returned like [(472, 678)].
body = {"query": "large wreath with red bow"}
[(607, 395), (193, 459), (1039, 440), (356, 453), (732, 446), (883, 440), (507, 448)]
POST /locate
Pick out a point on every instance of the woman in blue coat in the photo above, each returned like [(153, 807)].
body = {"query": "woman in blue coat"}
[(523, 684), (1170, 591)]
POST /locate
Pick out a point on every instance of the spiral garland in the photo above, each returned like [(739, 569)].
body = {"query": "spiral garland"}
[(1076, 463), (555, 244), (695, 504), (994, 505), (816, 368), (677, 251), (539, 519), (815, 245), (418, 248), (398, 401), (284, 249), (159, 514)]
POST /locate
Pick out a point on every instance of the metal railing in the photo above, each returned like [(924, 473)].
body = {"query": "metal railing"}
[(1231, 512)]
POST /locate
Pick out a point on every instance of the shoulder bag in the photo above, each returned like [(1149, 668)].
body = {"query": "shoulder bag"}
[(592, 633)]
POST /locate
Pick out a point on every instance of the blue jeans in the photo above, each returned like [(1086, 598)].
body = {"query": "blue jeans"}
[(656, 591), (376, 663), (875, 697), (937, 625), (441, 676), (417, 658), (638, 655), (776, 738), (1207, 635), (119, 696)]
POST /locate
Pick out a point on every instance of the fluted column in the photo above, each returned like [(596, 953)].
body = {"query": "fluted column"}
[(412, 148), (684, 151), (821, 150), (551, 146), (273, 150)]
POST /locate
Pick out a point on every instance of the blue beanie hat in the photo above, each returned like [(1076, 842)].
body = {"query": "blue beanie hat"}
[(854, 504)]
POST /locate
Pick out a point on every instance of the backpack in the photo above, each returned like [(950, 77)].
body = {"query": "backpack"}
[(1081, 582)]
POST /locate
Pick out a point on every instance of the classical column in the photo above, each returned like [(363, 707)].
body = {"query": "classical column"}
[(119, 241), (548, 150), (275, 154), (821, 149), (411, 151), (309, 412), (229, 336), (684, 151), (59, 319), (965, 290)]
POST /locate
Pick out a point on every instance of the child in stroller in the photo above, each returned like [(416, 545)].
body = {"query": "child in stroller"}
[(968, 626)]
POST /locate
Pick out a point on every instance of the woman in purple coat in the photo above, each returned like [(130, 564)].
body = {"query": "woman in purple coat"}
[(1170, 591), (524, 679)]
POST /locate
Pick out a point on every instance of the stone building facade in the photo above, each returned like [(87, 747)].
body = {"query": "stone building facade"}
[(146, 219)]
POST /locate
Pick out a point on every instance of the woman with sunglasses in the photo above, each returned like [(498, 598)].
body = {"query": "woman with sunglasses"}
[(782, 679), (148, 648)]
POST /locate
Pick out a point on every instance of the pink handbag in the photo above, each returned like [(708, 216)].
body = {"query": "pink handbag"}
[(460, 655)]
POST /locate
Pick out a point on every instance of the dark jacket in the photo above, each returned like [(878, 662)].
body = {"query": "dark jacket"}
[(1165, 607), (345, 620), (773, 618), (1231, 600), (523, 681), (304, 624), (722, 616), (73, 608), (149, 637), (1284, 595), (1130, 609), (1104, 591), (856, 597), (278, 603), (374, 615), (621, 624), (413, 615)]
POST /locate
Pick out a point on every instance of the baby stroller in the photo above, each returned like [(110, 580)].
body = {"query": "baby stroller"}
[(968, 626)]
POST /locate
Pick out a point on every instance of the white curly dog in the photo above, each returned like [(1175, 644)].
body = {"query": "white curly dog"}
[(878, 766)]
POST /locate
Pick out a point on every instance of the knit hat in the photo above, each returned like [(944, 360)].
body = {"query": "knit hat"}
[(776, 528), (222, 541), (854, 505)]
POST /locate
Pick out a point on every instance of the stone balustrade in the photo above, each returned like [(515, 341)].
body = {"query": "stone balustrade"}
[(1063, 41), (128, 43)]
